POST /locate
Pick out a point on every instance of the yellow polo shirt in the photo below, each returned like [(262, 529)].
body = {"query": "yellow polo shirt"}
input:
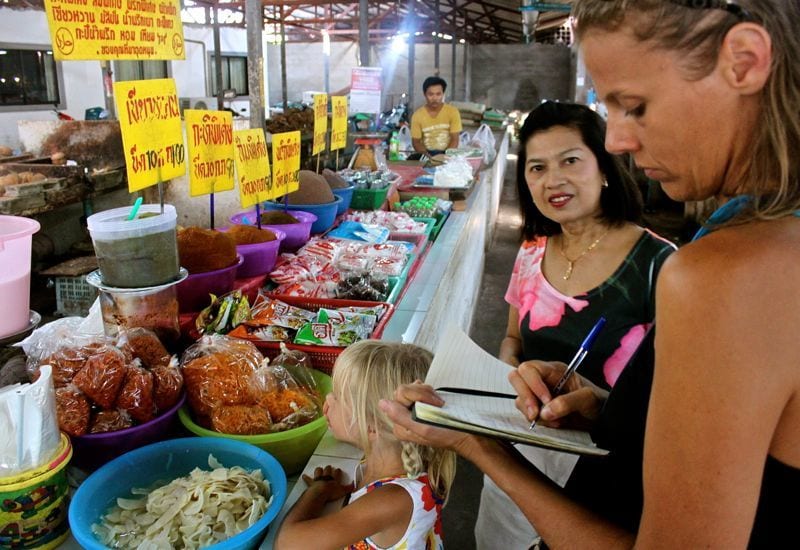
[(435, 131)]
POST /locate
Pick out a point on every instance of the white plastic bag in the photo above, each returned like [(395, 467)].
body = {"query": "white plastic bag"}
[(404, 139), (484, 138), (464, 139)]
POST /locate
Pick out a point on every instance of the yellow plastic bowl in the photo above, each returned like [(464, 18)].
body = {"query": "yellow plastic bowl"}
[(292, 448)]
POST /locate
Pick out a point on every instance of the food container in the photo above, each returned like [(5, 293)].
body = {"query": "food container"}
[(259, 258), (155, 308), (33, 504), (368, 199), (193, 292), (164, 461), (93, 450), (297, 234), (292, 447), (325, 213), (136, 253), (16, 236), (347, 195)]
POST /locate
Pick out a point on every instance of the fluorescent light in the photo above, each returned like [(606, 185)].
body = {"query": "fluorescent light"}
[(3, 52), (326, 43)]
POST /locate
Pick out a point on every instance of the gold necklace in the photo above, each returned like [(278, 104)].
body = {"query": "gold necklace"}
[(571, 263)]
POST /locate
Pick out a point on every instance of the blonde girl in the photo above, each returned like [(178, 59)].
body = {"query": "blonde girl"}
[(400, 487)]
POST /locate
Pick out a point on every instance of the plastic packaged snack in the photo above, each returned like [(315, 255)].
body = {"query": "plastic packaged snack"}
[(241, 420), (102, 376), (264, 334), (216, 370), (167, 385), (378, 310), (136, 394), (72, 410), (110, 421), (270, 312), (143, 344), (298, 364), (363, 285), (288, 404)]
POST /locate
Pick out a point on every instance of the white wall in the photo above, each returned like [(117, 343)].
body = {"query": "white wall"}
[(83, 81)]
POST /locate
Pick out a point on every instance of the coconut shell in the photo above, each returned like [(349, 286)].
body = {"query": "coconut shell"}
[(202, 250), (313, 190)]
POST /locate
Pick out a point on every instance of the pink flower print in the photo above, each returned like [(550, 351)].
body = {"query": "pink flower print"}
[(627, 346)]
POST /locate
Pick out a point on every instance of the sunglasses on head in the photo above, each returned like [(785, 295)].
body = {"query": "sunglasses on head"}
[(728, 5)]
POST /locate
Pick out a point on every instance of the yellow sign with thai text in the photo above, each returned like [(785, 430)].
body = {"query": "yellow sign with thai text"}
[(285, 162), (320, 123), (339, 122), (115, 29), (152, 138), (209, 139), (252, 167)]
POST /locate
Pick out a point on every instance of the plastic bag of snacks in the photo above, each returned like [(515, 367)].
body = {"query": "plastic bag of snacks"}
[(289, 404), (216, 370), (334, 329), (298, 363), (363, 285)]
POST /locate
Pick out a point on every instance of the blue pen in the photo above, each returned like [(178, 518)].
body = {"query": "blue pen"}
[(576, 361)]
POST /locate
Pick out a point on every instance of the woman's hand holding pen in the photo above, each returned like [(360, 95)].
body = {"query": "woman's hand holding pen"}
[(577, 406)]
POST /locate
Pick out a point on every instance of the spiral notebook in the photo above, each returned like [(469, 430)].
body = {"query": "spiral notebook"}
[(480, 399)]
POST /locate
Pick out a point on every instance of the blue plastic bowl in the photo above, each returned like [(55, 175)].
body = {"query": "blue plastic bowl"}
[(165, 461), (325, 213), (347, 195)]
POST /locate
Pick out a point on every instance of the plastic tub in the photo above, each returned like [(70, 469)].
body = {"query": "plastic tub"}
[(33, 513), (297, 234), (292, 448), (325, 213), (94, 450), (136, 253), (259, 258), (16, 236), (194, 290), (347, 196), (369, 199), (165, 461)]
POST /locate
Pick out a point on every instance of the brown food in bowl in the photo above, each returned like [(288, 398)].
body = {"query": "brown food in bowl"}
[(110, 421), (143, 344), (167, 386), (247, 234), (241, 420), (201, 250), (6, 151), (313, 189), (277, 217), (136, 395), (102, 376), (334, 180), (215, 380), (72, 411)]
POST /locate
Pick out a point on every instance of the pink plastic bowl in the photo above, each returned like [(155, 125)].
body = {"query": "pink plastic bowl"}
[(297, 234), (193, 291), (93, 450)]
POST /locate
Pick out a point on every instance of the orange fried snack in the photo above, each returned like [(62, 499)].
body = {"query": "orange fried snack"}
[(144, 345), (110, 421), (100, 379), (67, 361), (72, 410), (168, 383), (282, 402), (216, 379), (136, 395), (240, 420)]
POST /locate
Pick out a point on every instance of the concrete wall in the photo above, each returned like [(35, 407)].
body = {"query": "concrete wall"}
[(519, 76)]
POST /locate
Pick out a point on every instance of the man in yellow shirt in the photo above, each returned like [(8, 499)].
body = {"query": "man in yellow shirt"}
[(435, 126)]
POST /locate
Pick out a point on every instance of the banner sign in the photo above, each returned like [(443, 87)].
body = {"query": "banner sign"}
[(285, 162), (339, 122), (365, 90), (115, 29), (320, 123), (252, 167), (152, 138), (209, 137)]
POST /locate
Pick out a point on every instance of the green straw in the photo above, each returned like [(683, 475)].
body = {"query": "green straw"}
[(135, 209)]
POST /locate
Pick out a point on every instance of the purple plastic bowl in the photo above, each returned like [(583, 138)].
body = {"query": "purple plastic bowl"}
[(297, 234), (259, 258), (91, 451), (193, 291)]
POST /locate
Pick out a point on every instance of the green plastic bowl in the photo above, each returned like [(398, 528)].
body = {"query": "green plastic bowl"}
[(291, 448)]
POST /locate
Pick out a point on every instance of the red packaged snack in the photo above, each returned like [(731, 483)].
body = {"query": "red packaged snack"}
[(241, 420), (100, 379), (67, 361), (136, 395), (168, 383), (143, 344), (110, 421), (72, 410)]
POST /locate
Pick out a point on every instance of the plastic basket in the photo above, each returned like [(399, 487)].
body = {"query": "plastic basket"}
[(322, 357), (74, 296), (437, 228), (419, 240), (369, 199)]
